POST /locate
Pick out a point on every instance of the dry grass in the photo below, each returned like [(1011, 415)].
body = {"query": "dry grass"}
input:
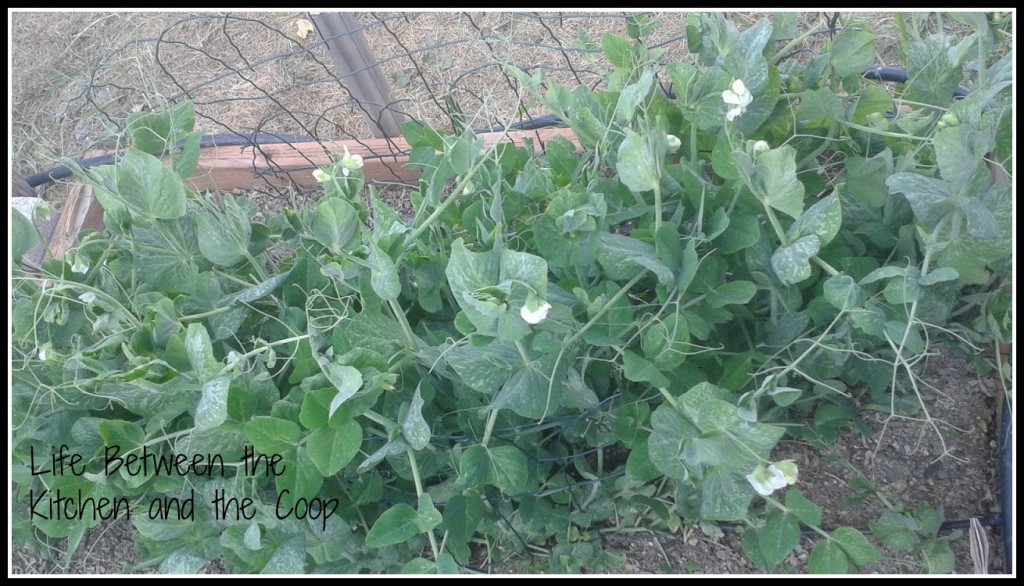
[(75, 76)]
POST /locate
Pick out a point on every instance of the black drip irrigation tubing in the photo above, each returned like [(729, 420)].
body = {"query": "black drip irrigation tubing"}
[(884, 74)]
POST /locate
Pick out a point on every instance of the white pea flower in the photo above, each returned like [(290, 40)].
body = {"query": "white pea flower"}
[(42, 354), (760, 147), (80, 264), (766, 480), (738, 96), (787, 468), (533, 312), (321, 175), (673, 143), (350, 162), (87, 298)]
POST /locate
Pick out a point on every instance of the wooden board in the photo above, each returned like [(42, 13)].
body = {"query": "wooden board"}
[(235, 169), (280, 165), (81, 211)]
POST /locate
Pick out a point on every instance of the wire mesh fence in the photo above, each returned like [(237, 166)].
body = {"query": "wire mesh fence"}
[(268, 78)]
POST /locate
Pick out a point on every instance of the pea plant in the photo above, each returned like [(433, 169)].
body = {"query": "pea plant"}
[(606, 334)]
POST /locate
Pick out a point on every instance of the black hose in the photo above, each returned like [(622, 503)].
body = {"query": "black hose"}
[(887, 74), (899, 75), (1006, 481)]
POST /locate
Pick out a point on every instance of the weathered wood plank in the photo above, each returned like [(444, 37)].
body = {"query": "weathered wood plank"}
[(233, 169)]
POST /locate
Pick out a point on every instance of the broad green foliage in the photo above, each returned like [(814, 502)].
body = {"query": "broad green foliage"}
[(564, 341)]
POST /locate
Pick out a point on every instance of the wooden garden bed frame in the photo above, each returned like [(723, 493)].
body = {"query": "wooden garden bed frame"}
[(239, 169)]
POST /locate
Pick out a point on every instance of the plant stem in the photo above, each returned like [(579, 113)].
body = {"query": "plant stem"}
[(693, 143), (455, 193), (419, 493), (402, 321), (776, 225), (657, 207), (824, 265), (491, 418), (790, 45), (206, 314), (870, 130), (785, 509), (605, 308)]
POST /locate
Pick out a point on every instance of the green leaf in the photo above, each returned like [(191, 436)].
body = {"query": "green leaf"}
[(331, 449), (639, 465), (124, 435), (792, 263), (617, 50), (392, 448), (872, 100), (420, 135), (252, 537), (853, 52), (938, 275), (212, 409), (807, 512), (622, 256), (929, 197), (334, 223), (186, 560), (224, 234), (932, 75), (288, 558), (636, 163), (866, 178), (419, 566), (486, 368), (632, 96), (150, 132), (415, 428), (731, 293), (24, 235), (187, 160), (640, 370), (823, 219), (346, 379), (469, 272), (827, 558), (465, 151), (779, 536), (775, 183), (462, 515), (427, 516), (200, 352), (383, 274), (254, 293), (300, 478), (784, 396), (504, 467), (270, 435), (528, 393), (725, 497), (938, 557), (856, 546), (167, 255), (819, 109), (960, 153), (743, 232), (665, 445), (843, 292), (896, 531), (148, 188)]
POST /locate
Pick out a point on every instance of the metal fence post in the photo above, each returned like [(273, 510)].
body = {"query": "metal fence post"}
[(358, 70)]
